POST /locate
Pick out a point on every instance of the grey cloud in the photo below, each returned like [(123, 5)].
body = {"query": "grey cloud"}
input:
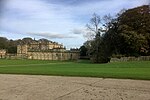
[(77, 31), (71, 2), (2, 3), (52, 35)]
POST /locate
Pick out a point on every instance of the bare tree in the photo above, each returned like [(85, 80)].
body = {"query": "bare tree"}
[(107, 19), (94, 26)]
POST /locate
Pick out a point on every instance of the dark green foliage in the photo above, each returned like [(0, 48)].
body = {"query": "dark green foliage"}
[(12, 46), (83, 51), (3, 43), (97, 51), (26, 40), (134, 29)]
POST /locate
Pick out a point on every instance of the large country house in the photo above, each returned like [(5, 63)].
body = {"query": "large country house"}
[(46, 50)]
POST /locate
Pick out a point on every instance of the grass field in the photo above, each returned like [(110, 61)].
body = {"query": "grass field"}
[(130, 70)]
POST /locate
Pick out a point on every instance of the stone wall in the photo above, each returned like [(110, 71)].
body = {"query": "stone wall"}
[(123, 59), (53, 55)]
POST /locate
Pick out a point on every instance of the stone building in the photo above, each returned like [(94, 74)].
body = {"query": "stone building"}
[(2, 53), (46, 51)]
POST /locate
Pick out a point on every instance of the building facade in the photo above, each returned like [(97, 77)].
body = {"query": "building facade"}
[(2, 53), (46, 51)]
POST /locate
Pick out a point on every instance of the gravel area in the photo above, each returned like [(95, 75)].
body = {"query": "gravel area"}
[(37, 87)]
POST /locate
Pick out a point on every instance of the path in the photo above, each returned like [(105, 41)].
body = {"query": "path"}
[(32, 87)]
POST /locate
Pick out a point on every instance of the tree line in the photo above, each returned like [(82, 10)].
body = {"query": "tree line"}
[(126, 34)]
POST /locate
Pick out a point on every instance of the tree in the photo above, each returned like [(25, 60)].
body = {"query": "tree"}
[(139, 24), (83, 51), (93, 26), (27, 40), (111, 36), (132, 41), (128, 34), (96, 49), (12, 46), (3, 43)]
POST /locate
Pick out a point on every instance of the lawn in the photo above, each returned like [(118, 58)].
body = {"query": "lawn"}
[(130, 70)]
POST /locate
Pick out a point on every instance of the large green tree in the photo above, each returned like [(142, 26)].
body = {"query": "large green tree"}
[(129, 33), (134, 28)]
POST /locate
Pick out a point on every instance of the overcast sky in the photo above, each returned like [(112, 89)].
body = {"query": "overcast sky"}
[(62, 21)]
